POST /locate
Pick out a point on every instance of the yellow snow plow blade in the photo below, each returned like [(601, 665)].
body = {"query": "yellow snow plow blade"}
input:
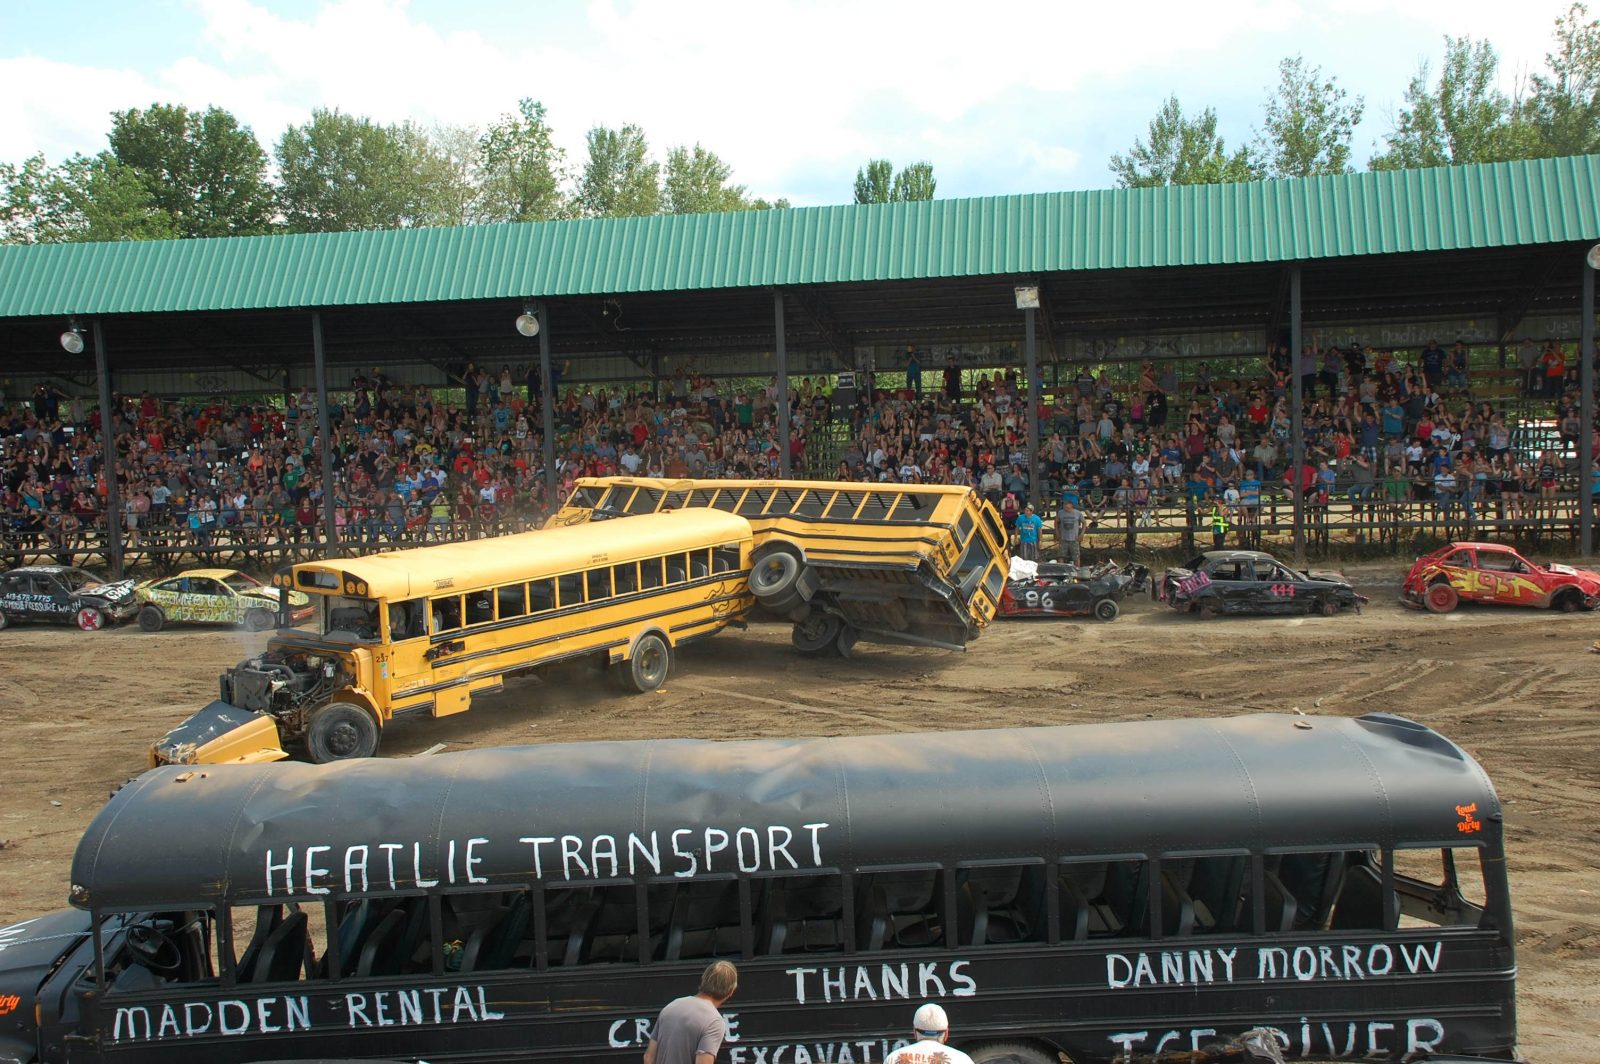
[(220, 734)]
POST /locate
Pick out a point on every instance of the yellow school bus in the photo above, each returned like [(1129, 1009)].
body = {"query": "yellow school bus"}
[(424, 630), (913, 564)]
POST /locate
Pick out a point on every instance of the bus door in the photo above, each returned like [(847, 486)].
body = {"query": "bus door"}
[(404, 672), (429, 667)]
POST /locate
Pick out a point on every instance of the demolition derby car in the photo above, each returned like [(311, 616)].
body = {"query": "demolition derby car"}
[(216, 596), (62, 595), (1248, 581), (1056, 589), (1489, 572)]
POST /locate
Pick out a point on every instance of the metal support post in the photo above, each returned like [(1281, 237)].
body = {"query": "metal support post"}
[(1297, 428), (783, 387), (330, 526), (108, 449), (547, 408), (1030, 366)]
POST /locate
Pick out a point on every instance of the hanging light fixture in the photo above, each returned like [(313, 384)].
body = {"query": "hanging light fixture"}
[(528, 323), (72, 339), (1593, 257)]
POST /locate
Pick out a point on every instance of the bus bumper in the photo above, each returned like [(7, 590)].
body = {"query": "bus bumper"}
[(221, 733)]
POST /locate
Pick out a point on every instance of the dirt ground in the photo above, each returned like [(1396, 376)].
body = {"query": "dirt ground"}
[(1516, 688)]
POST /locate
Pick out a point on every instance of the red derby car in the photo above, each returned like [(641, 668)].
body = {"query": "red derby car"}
[(1489, 572)]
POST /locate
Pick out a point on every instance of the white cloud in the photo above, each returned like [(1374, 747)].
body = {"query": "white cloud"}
[(785, 90)]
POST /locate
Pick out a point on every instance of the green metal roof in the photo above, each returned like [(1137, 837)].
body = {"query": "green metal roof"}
[(1450, 208)]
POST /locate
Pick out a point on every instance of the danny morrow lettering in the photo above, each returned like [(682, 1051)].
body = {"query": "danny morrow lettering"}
[(1332, 961)]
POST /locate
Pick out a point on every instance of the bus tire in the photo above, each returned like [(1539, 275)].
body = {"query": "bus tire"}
[(773, 579), (1107, 609), (1011, 1053), (816, 635), (341, 731), (647, 667), (259, 620), (151, 619), (844, 644)]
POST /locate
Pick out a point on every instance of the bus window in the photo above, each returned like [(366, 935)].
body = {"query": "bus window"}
[(1101, 899), (725, 559), (1439, 887), (591, 925), (650, 574), (677, 568), (799, 914), (814, 503), (589, 498), (571, 587), (1314, 882), (488, 931), (754, 502), (843, 506), (1000, 904), (383, 936), (995, 581), (786, 501), (278, 943), (644, 501), (699, 563), (1215, 885), (480, 607), (541, 595), (703, 921), (877, 505), (446, 614), (407, 620), (725, 500), (599, 582), (625, 578), (164, 947), (964, 527), (348, 618), (899, 910), (970, 568), (511, 601), (912, 507)]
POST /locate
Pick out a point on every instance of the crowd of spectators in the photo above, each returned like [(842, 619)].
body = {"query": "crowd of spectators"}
[(412, 465)]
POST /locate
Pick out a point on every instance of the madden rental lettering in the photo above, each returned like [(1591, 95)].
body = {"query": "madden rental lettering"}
[(289, 1013)]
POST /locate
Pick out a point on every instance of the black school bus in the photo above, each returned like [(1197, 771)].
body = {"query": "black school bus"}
[(1089, 893)]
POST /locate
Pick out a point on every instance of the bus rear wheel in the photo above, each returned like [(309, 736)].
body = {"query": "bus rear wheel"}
[(340, 731), (814, 636), (647, 669)]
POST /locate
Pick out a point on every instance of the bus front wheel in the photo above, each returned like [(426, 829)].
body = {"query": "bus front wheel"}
[(647, 669), (340, 731)]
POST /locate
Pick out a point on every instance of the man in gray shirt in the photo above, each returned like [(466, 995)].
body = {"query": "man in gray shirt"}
[(690, 1030), (1069, 521)]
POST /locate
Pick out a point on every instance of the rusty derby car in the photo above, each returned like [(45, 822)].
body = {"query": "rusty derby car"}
[(1062, 590), (1253, 582)]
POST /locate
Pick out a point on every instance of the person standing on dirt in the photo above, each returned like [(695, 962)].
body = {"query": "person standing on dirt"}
[(1029, 527), (1219, 525), (932, 1028), (1069, 522), (690, 1030)]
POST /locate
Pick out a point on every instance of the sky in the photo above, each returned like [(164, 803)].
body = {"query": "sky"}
[(796, 95)]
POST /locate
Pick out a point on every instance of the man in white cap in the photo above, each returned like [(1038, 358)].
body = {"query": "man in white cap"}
[(932, 1028)]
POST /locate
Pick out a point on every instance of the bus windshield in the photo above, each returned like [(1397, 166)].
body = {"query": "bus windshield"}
[(348, 618)]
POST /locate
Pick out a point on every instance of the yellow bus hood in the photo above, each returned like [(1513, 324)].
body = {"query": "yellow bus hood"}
[(219, 734)]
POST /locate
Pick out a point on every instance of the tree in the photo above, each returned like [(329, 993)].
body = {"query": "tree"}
[(915, 182), (521, 169), (1565, 103), (85, 198), (204, 169), (877, 182), (339, 172), (1309, 123), (696, 182), (451, 165), (619, 179), (1182, 151), (1465, 118)]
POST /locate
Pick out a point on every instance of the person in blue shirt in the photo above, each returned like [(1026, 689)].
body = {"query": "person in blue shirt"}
[(1028, 527)]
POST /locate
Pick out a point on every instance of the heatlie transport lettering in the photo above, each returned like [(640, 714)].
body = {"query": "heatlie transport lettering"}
[(682, 852), (1203, 967), (1339, 1039), (422, 1007), (883, 982)]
